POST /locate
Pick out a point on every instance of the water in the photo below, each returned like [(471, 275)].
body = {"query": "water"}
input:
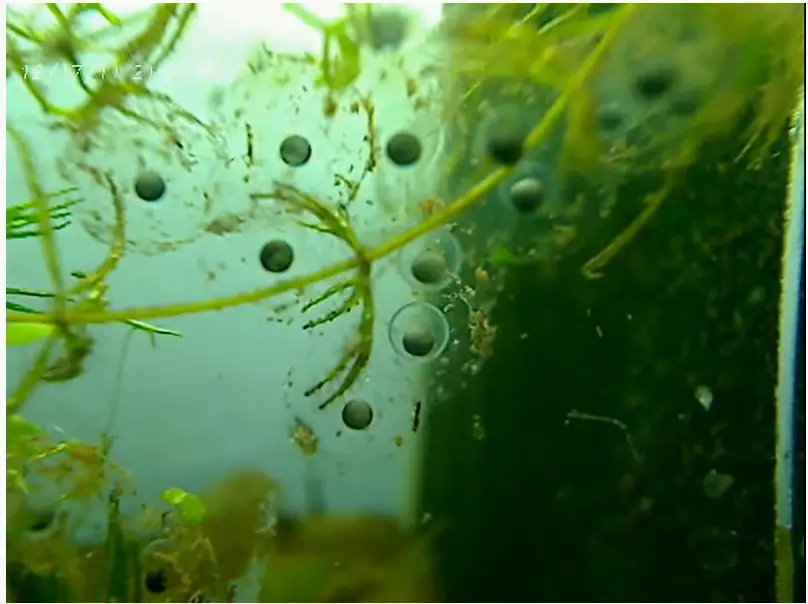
[(523, 278)]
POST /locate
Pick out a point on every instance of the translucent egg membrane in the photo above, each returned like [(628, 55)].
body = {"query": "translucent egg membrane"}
[(419, 332), (541, 171), (433, 262)]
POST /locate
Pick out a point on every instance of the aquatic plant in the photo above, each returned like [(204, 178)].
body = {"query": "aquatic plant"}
[(564, 56), (568, 61), (153, 41)]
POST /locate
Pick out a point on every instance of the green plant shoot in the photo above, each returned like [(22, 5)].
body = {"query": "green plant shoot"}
[(190, 507), (22, 334)]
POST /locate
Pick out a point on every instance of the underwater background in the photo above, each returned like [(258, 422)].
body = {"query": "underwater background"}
[(524, 310)]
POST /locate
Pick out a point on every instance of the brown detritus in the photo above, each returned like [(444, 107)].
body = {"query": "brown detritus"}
[(304, 437), (483, 334), (225, 225), (238, 512)]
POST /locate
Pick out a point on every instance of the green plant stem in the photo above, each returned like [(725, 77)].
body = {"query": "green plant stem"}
[(471, 197)]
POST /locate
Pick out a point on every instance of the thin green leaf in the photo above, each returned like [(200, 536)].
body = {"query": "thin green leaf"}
[(19, 430), (190, 507), (16, 291), (14, 307), (151, 329), (501, 256), (21, 334)]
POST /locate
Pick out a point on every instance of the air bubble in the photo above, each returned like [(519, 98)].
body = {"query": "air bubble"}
[(150, 186), (276, 256), (419, 331)]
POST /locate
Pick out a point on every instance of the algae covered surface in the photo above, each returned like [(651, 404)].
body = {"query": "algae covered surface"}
[(596, 479)]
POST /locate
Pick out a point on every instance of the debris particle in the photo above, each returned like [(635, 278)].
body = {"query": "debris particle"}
[(704, 396), (477, 429), (715, 484), (304, 437), (607, 420), (416, 416), (483, 334), (481, 276)]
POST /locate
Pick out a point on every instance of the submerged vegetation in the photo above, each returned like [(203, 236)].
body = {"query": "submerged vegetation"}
[(562, 59)]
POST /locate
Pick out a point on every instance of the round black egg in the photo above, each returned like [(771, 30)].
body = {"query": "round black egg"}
[(653, 84), (150, 186), (418, 341), (526, 194), (610, 119), (505, 147), (295, 151), (41, 519), (387, 28), (357, 415), (155, 581), (404, 149), (686, 104), (276, 256), (429, 267)]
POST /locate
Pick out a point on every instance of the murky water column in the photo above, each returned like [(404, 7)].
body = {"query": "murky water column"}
[(611, 438)]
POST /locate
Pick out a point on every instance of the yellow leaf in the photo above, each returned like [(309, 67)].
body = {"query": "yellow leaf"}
[(20, 334)]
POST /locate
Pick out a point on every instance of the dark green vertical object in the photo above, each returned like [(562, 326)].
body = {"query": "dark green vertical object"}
[(546, 508), (26, 586), (120, 575)]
